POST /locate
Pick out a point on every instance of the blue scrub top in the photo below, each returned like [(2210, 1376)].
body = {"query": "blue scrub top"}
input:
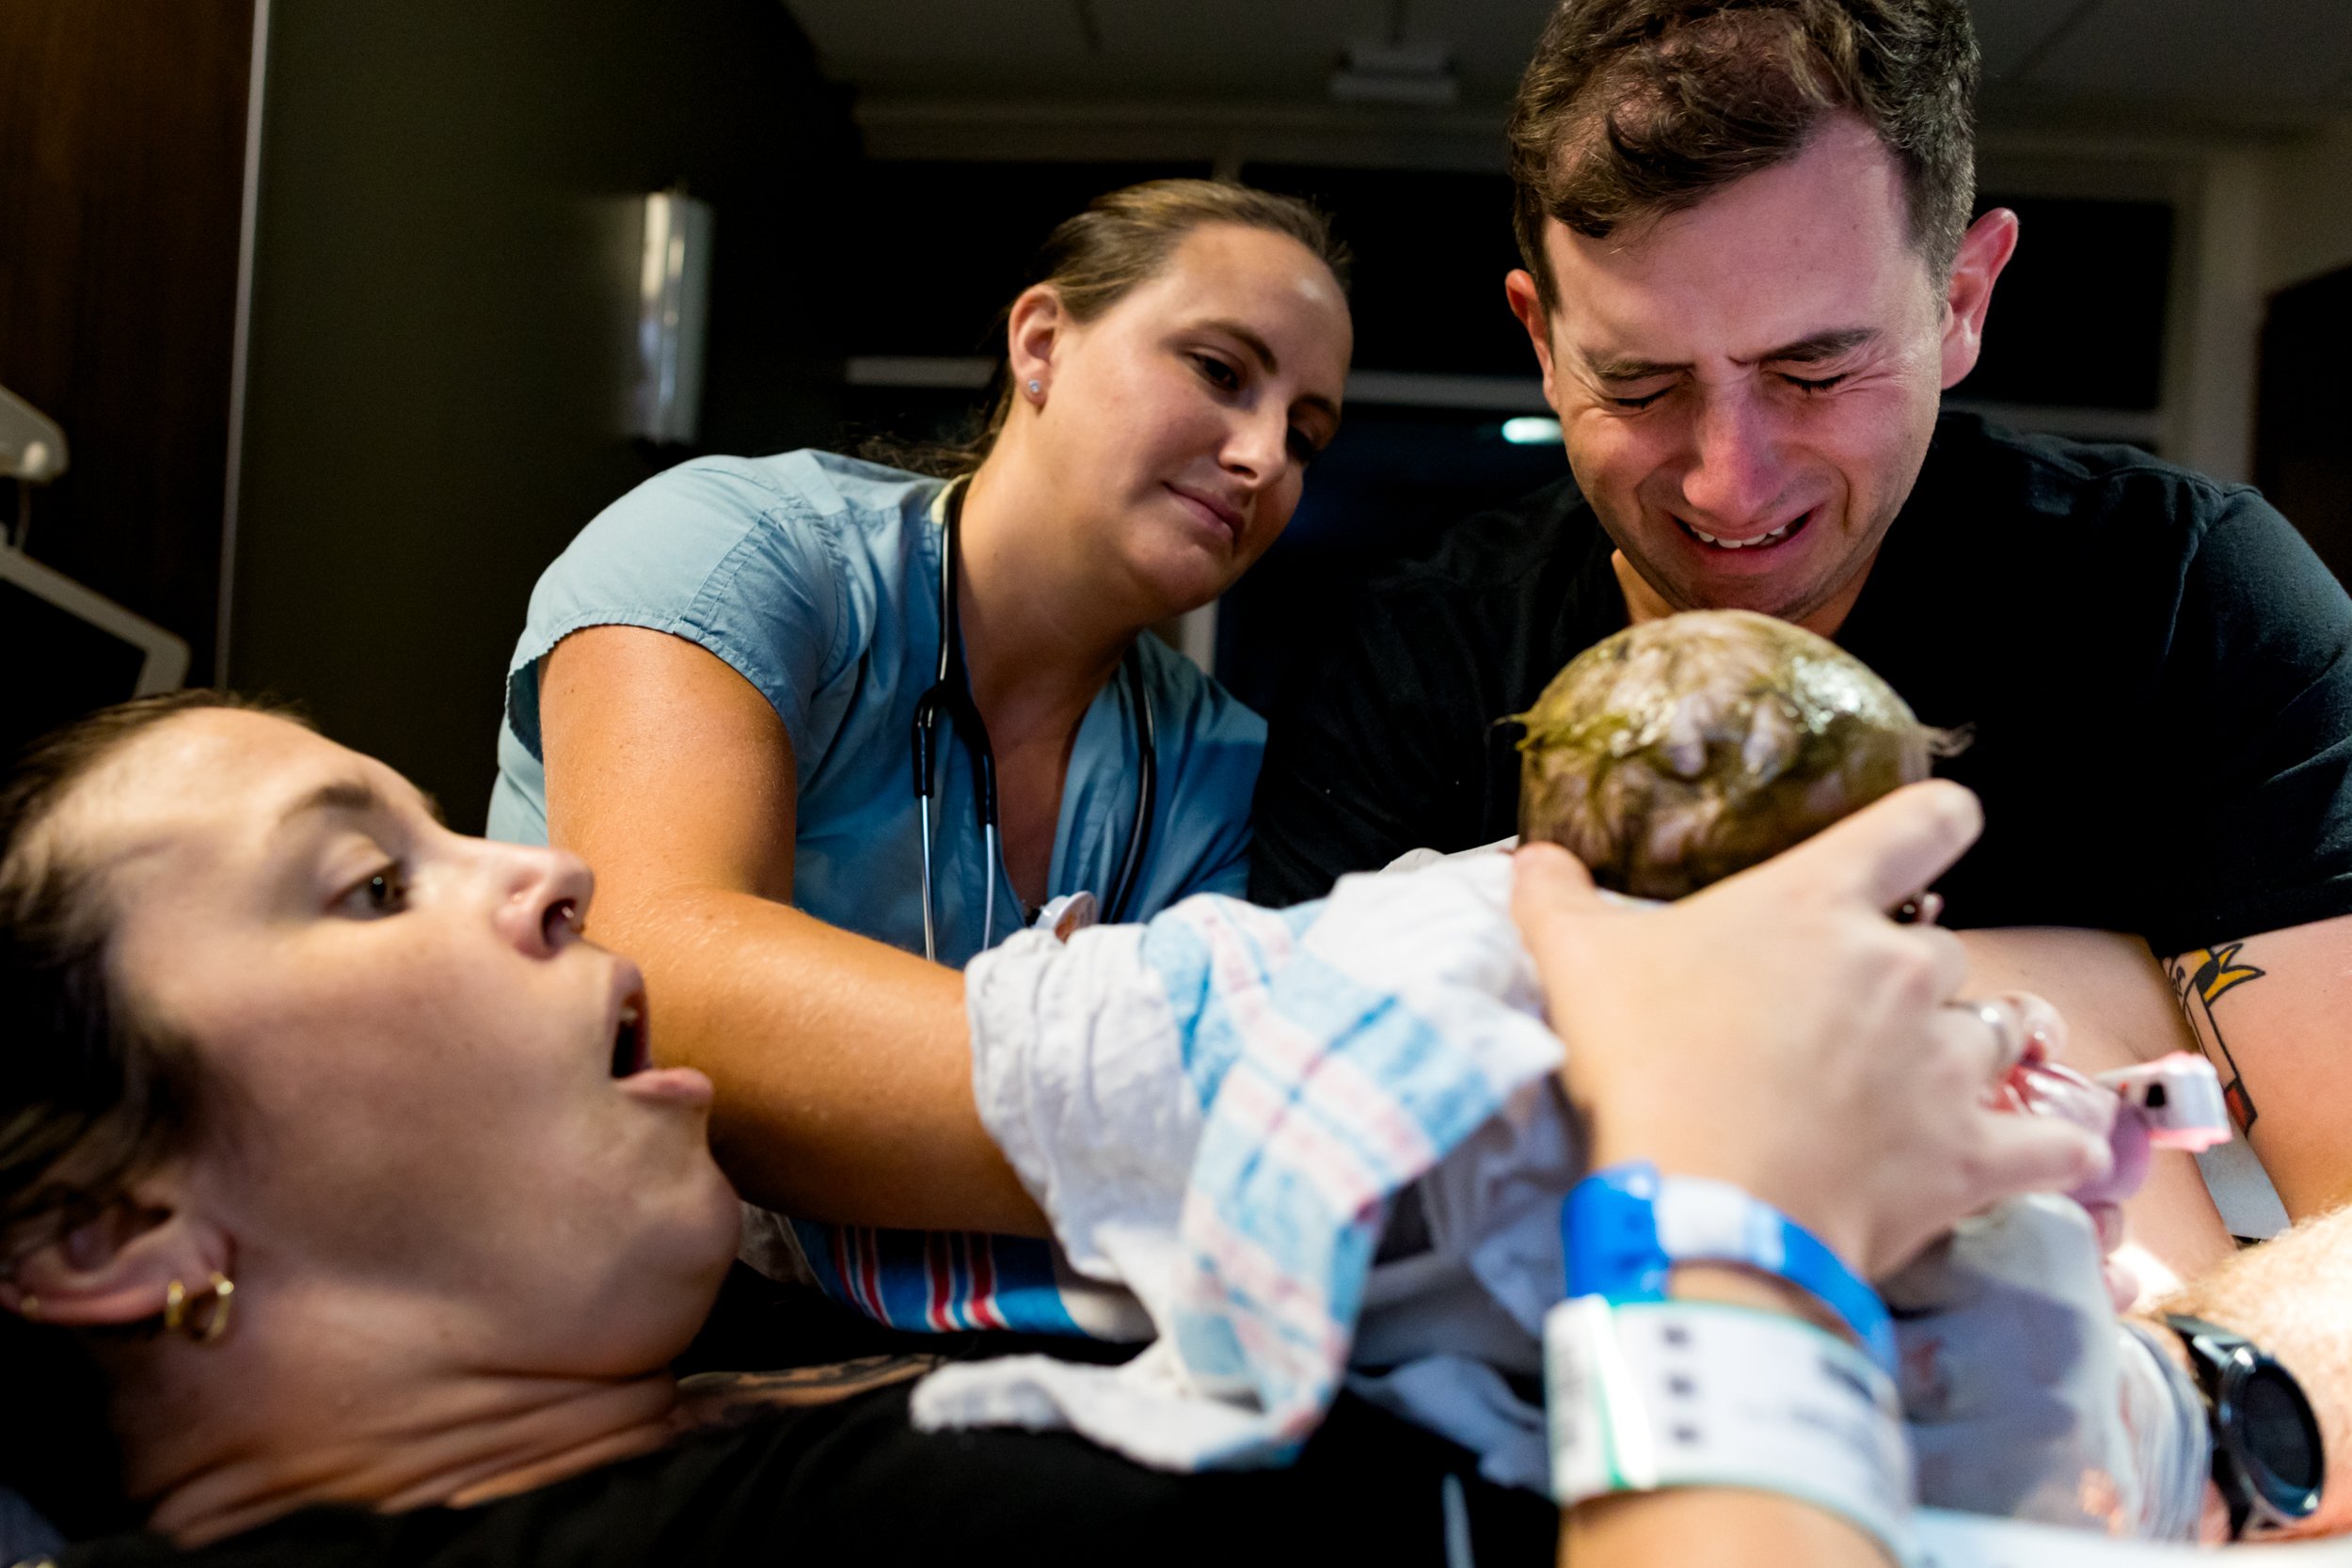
[(816, 577)]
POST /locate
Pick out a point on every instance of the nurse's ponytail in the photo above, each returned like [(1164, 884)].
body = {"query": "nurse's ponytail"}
[(1092, 261)]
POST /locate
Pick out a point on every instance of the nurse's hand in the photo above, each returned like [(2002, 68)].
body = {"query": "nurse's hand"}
[(1778, 1031)]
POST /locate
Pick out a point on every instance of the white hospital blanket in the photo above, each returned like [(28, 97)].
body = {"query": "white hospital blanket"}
[(1218, 1110)]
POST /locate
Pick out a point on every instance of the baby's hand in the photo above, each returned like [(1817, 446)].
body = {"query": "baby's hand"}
[(2039, 1084)]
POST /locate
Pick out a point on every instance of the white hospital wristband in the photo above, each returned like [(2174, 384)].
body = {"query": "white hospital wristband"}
[(1642, 1396)]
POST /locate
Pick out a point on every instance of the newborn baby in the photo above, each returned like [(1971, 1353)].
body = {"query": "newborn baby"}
[(1329, 1144), (1682, 750)]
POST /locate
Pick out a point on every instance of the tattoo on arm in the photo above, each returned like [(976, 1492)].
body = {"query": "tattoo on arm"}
[(731, 1398), (2199, 978)]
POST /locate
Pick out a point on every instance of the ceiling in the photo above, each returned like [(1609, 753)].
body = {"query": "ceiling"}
[(2254, 64)]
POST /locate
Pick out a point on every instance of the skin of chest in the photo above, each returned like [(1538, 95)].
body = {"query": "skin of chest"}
[(1032, 764)]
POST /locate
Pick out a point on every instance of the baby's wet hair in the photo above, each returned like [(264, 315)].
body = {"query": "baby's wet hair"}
[(1683, 749)]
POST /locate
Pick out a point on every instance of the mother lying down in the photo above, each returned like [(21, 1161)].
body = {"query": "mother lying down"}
[(332, 1152)]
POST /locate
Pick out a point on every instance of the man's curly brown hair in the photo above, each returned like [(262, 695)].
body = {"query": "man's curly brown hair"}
[(1635, 108)]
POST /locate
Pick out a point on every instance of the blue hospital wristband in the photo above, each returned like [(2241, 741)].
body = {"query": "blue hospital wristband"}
[(1625, 1227)]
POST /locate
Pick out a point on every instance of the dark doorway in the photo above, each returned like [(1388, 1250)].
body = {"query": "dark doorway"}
[(2302, 457)]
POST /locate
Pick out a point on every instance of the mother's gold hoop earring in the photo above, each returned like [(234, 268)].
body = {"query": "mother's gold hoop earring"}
[(203, 1318)]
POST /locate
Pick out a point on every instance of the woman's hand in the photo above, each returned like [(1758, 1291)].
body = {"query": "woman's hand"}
[(1780, 1032)]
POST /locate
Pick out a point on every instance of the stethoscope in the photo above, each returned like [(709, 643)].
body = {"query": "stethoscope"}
[(951, 694)]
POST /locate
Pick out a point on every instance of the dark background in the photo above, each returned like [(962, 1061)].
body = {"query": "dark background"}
[(438, 324), (1431, 249), (121, 173), (440, 314)]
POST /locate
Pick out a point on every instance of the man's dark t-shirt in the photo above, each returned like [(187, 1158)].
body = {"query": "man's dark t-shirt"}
[(2155, 670)]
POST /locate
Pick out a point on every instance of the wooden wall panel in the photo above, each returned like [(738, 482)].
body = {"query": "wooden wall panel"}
[(121, 173)]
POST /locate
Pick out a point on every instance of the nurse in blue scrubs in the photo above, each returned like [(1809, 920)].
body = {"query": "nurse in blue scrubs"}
[(715, 703)]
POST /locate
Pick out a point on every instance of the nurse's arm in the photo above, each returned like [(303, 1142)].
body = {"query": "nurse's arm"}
[(843, 1068)]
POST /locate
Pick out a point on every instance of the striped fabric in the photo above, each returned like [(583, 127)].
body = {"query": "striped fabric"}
[(942, 1281), (1215, 1111), (937, 1281)]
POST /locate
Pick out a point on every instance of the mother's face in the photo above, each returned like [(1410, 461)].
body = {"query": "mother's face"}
[(432, 1084)]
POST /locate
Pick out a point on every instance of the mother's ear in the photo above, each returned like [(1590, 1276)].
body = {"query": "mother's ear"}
[(118, 1267)]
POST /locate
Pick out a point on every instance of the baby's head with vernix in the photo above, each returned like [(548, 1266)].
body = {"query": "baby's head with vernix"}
[(1683, 749)]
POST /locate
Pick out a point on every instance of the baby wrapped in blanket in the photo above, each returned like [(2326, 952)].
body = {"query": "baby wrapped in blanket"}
[(1329, 1144)]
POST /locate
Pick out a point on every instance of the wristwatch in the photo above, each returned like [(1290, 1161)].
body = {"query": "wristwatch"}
[(2267, 1458)]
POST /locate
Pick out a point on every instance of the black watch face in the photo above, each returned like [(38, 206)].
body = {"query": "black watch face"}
[(2276, 1427)]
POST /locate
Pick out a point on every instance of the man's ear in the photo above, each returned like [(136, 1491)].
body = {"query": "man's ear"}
[(1985, 250), (1527, 303), (1033, 330), (119, 1267)]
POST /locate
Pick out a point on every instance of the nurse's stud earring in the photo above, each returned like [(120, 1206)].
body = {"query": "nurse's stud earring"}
[(1037, 389)]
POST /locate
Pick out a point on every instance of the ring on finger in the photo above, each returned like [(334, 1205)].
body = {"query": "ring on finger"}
[(1923, 908), (2008, 1031)]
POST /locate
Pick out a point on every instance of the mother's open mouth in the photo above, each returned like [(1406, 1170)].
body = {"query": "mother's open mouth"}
[(630, 1052)]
